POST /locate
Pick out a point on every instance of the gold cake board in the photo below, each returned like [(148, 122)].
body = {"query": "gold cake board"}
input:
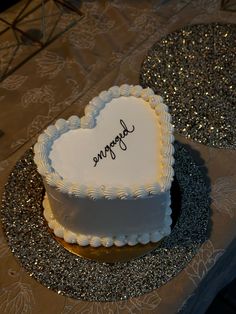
[(111, 255)]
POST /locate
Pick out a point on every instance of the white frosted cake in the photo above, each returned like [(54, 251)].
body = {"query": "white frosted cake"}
[(108, 175)]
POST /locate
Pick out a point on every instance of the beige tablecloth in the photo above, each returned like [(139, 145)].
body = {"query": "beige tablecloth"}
[(104, 48)]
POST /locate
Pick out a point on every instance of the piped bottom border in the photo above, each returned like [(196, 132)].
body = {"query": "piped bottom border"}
[(72, 240)]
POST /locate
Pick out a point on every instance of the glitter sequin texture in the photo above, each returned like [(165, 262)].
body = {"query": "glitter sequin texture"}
[(194, 70), (68, 274)]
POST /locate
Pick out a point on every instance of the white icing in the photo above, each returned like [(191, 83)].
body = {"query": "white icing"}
[(70, 237), (107, 241), (136, 90), (125, 90), (53, 179), (124, 193), (89, 122), (52, 132), (144, 238), (115, 91), (82, 240), (120, 240), (62, 125), (166, 231), (74, 122), (95, 192), (137, 206), (132, 239), (153, 188), (168, 220), (167, 151), (42, 166), (91, 110), (59, 232), (110, 192), (43, 138), (141, 192), (165, 117), (146, 93), (79, 190), (155, 100), (159, 109), (97, 102), (38, 148), (106, 96), (95, 242), (155, 236)]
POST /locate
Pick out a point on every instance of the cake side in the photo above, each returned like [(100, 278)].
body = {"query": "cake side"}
[(108, 222)]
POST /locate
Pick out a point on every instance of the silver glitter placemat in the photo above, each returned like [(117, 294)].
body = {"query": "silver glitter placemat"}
[(68, 274), (194, 70)]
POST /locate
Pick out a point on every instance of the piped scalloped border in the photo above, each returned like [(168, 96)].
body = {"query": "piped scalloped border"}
[(92, 110), (95, 241)]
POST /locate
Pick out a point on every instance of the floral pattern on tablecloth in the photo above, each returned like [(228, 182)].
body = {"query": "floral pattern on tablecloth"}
[(224, 195), (13, 82), (105, 48), (4, 248), (203, 261), (16, 297), (146, 304)]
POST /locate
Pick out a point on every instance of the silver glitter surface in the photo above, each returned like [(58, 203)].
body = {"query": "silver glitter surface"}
[(67, 274), (194, 70)]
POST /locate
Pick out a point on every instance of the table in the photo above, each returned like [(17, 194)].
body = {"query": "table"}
[(104, 48)]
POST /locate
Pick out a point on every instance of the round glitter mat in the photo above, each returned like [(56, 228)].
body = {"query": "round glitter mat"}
[(194, 70), (56, 268)]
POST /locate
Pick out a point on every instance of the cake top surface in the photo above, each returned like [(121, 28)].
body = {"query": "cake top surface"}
[(121, 148)]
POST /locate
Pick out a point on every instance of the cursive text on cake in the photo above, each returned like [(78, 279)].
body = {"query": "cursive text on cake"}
[(117, 140)]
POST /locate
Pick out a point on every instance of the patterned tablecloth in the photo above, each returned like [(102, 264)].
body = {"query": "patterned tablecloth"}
[(103, 48)]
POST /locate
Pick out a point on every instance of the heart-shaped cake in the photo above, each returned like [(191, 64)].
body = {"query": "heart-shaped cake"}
[(108, 175)]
